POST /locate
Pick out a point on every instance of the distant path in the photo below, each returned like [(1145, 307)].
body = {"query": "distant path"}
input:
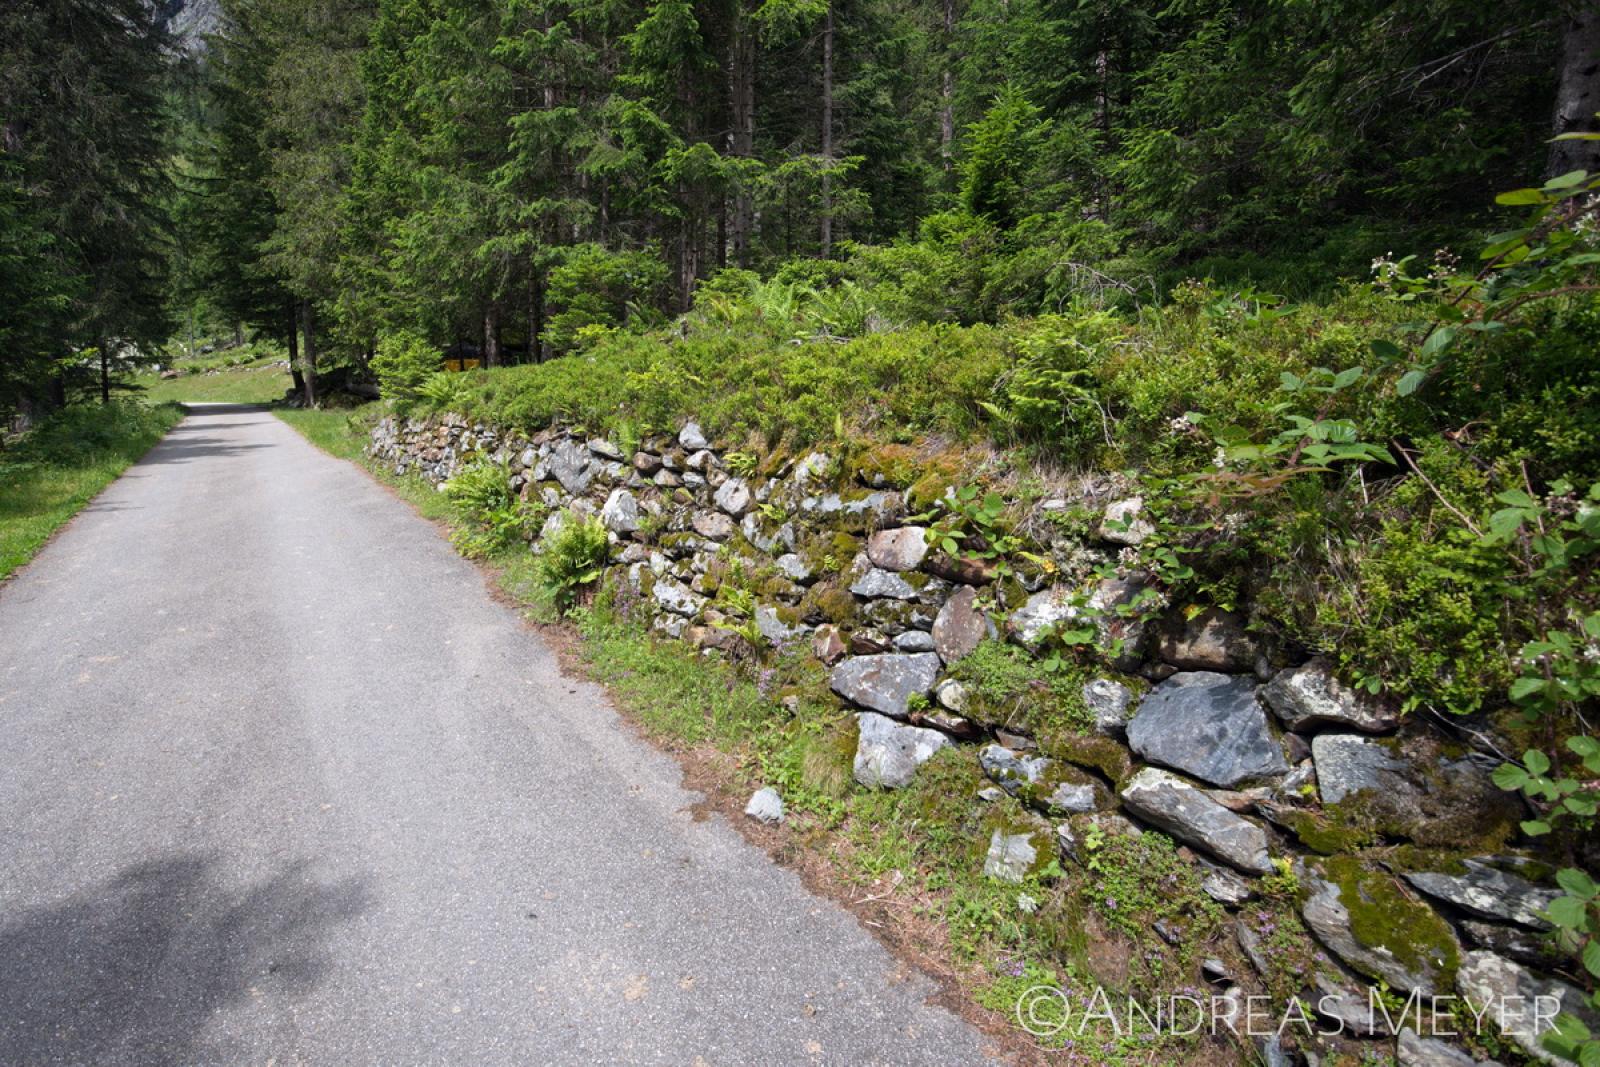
[(281, 783)]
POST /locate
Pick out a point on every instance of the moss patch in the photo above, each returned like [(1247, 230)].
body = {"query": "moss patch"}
[(1382, 913)]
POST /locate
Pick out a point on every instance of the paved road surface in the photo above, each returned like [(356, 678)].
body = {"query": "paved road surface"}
[(281, 784)]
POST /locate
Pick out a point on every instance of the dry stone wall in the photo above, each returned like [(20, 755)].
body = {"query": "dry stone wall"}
[(1255, 758)]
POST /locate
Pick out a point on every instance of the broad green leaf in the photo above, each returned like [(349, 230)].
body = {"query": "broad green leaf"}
[(1535, 827), (1387, 351), (1410, 382), (1438, 341), (1566, 912), (1505, 522), (1591, 956), (1536, 762), (1527, 686), (1518, 197), (1509, 776), (1567, 180), (1576, 883), (1583, 746), (1347, 377)]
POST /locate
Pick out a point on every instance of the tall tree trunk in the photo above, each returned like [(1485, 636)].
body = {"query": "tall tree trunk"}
[(536, 317), (105, 372), (742, 129), (947, 89), (294, 350), (309, 349), (1102, 122), (491, 335), (688, 260), (1577, 91), (827, 132)]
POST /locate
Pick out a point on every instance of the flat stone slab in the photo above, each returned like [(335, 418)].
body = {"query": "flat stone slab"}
[(1490, 893), (1523, 1004), (900, 549), (885, 683), (1208, 725), (1310, 695), (888, 753), (1168, 802), (1350, 763)]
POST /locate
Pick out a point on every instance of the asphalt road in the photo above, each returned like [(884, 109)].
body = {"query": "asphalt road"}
[(280, 783)]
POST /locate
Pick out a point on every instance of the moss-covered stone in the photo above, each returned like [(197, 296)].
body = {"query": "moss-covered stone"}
[(829, 602), (887, 466), (1102, 754), (1383, 914)]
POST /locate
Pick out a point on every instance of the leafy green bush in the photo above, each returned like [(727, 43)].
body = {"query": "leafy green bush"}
[(491, 518), (572, 558), (596, 287), (403, 362)]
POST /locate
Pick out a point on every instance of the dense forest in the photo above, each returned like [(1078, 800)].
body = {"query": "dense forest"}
[(1309, 292), (504, 175)]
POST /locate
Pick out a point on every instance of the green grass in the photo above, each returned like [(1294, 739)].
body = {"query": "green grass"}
[(340, 432), (236, 385), (57, 468)]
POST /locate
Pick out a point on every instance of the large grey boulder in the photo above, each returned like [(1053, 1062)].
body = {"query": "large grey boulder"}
[(572, 465), (677, 598), (1523, 1004), (1489, 893), (1310, 695), (1350, 763), (734, 497), (960, 625), (1213, 640), (692, 438), (1209, 725), (900, 549), (1168, 802), (885, 683), (621, 512), (888, 753), (712, 524), (881, 583)]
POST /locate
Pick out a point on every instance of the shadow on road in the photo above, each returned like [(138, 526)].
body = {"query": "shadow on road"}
[(133, 970), (188, 442), (198, 407)]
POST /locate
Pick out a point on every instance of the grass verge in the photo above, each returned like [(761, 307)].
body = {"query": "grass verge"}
[(257, 383), (908, 863), (48, 475)]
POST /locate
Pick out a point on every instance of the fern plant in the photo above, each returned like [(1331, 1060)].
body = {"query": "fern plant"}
[(574, 557)]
